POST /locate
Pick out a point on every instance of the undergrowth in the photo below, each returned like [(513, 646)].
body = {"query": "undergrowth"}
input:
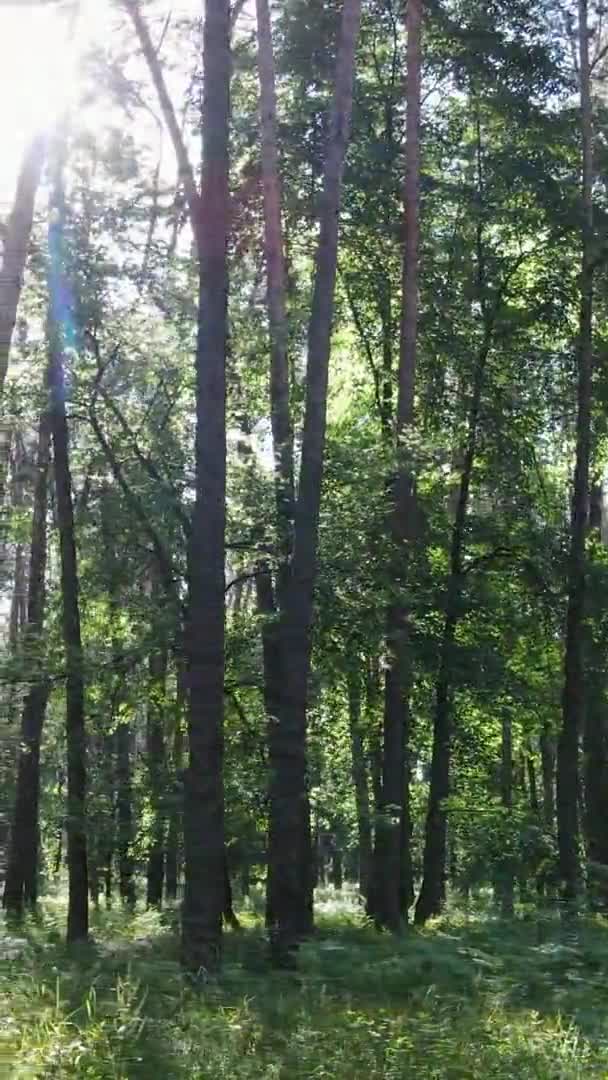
[(470, 997)]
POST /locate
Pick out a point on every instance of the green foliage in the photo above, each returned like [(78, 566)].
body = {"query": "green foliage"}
[(469, 997)]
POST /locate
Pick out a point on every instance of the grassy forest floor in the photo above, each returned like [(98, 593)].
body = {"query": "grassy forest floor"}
[(470, 996)]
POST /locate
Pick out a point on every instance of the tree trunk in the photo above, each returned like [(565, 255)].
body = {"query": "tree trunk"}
[(507, 883), (175, 809), (547, 758), (272, 662), (432, 893), (289, 841), (155, 759), (21, 884), (16, 244), (121, 738), (573, 700), (59, 316), (282, 436), (595, 735), (204, 803), (392, 891), (360, 780), (532, 782), (124, 814)]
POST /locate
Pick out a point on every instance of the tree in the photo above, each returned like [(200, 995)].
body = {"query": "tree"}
[(21, 883), (289, 839), (392, 892), (573, 702), (58, 341), (204, 803), (16, 240)]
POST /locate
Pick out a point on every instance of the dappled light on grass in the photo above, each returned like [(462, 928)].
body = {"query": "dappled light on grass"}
[(464, 999)]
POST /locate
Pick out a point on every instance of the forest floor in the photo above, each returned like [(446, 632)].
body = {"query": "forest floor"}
[(470, 997)]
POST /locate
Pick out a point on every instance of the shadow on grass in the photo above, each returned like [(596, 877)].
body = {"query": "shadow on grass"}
[(463, 998)]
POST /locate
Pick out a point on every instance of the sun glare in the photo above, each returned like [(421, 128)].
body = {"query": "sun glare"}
[(38, 76)]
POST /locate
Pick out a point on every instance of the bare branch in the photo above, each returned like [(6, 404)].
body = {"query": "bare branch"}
[(186, 172)]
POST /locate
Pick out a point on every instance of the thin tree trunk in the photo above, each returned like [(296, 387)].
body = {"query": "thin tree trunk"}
[(547, 759), (21, 885), (155, 759), (124, 814), (175, 809), (16, 245), (573, 701), (507, 883), (204, 805), (272, 663), (290, 841), (595, 735), (532, 782), (392, 892), (432, 894), (360, 779), (59, 316), (282, 435), (119, 743)]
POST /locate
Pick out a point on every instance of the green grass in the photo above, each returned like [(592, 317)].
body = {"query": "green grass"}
[(469, 997)]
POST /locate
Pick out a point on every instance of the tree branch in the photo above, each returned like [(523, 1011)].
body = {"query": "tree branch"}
[(186, 172)]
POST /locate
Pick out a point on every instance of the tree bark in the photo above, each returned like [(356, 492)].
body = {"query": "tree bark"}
[(289, 840), (58, 326), (432, 893), (204, 805), (507, 883), (360, 780), (155, 760), (21, 884), (174, 832), (547, 758), (121, 739), (532, 782), (595, 734), (573, 699), (124, 814), (16, 244), (392, 892), (282, 435)]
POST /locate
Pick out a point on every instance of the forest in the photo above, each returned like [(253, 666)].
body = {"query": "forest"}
[(304, 539)]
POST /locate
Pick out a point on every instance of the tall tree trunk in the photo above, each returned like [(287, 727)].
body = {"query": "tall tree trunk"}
[(155, 759), (282, 436), (595, 735), (289, 840), (122, 735), (532, 782), (204, 805), (21, 884), (507, 883), (59, 315), (17, 613), (270, 602), (16, 244), (432, 893), (392, 891), (547, 760), (124, 814), (271, 658), (573, 701), (174, 831), (360, 779)]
